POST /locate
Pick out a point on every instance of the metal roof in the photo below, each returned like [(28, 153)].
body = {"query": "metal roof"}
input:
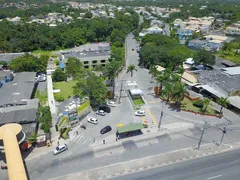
[(234, 101), (16, 93), (8, 57), (214, 91), (25, 77), (20, 116), (130, 127), (232, 70)]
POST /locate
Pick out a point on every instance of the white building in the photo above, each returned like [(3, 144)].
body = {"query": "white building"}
[(233, 29)]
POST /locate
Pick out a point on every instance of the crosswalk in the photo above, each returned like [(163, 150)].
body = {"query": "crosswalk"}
[(80, 139)]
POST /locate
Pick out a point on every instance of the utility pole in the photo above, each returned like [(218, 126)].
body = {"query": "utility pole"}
[(200, 140), (121, 92), (224, 130), (161, 116)]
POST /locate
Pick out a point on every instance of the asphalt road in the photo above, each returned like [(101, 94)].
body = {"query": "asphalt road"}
[(218, 167)]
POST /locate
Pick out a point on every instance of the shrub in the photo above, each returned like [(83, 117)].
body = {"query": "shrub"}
[(56, 62), (198, 103), (59, 98)]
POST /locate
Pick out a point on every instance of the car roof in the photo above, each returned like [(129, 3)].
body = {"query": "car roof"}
[(92, 118), (61, 146)]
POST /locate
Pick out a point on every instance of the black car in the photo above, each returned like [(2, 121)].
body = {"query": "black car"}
[(105, 108), (106, 129)]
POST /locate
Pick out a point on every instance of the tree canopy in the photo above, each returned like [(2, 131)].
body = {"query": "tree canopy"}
[(204, 57), (92, 86), (59, 75), (74, 68), (164, 51), (29, 63)]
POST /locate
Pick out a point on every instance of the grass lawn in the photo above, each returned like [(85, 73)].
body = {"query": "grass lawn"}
[(83, 106), (229, 56), (138, 102), (65, 87), (189, 106)]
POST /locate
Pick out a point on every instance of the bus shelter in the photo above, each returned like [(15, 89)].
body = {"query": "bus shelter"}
[(129, 130)]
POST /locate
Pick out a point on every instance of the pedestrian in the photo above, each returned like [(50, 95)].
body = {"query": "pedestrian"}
[(77, 132), (104, 141), (52, 101), (58, 143), (94, 140), (116, 139)]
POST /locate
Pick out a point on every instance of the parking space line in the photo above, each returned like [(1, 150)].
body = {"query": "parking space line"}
[(152, 117)]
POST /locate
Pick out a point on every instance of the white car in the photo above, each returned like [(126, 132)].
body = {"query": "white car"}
[(60, 148), (101, 113), (93, 120), (111, 104), (140, 113)]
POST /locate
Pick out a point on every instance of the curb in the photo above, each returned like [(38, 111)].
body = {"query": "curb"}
[(142, 164)]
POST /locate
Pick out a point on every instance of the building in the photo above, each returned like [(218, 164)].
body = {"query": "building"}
[(184, 34), (195, 24), (91, 56), (197, 44), (16, 103), (25, 115), (210, 42), (233, 29), (19, 91), (151, 30)]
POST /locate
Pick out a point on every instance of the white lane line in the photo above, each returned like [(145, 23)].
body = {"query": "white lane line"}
[(79, 139), (214, 177)]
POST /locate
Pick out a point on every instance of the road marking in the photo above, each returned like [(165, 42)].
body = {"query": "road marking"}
[(214, 177), (152, 117), (143, 119), (154, 102), (79, 138)]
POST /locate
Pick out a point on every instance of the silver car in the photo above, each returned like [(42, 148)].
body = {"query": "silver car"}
[(60, 148)]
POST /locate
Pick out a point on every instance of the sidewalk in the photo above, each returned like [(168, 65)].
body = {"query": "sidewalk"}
[(146, 136), (108, 172)]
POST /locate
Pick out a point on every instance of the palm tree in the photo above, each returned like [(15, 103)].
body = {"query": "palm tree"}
[(178, 92), (168, 90), (223, 102), (131, 68), (206, 102), (111, 72), (180, 71)]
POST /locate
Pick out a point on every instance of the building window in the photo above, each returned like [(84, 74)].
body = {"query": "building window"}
[(94, 62), (94, 66), (103, 61), (85, 62), (86, 67)]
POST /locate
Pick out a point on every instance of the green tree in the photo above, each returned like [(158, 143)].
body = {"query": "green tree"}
[(45, 118), (4, 63), (223, 102), (74, 68), (206, 103), (178, 92), (94, 87), (167, 91), (59, 75), (88, 15), (29, 63), (111, 72), (131, 68), (204, 57)]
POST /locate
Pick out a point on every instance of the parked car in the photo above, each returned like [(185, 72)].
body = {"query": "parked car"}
[(92, 120), (111, 104), (60, 148), (106, 129), (105, 108), (101, 113), (140, 113)]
